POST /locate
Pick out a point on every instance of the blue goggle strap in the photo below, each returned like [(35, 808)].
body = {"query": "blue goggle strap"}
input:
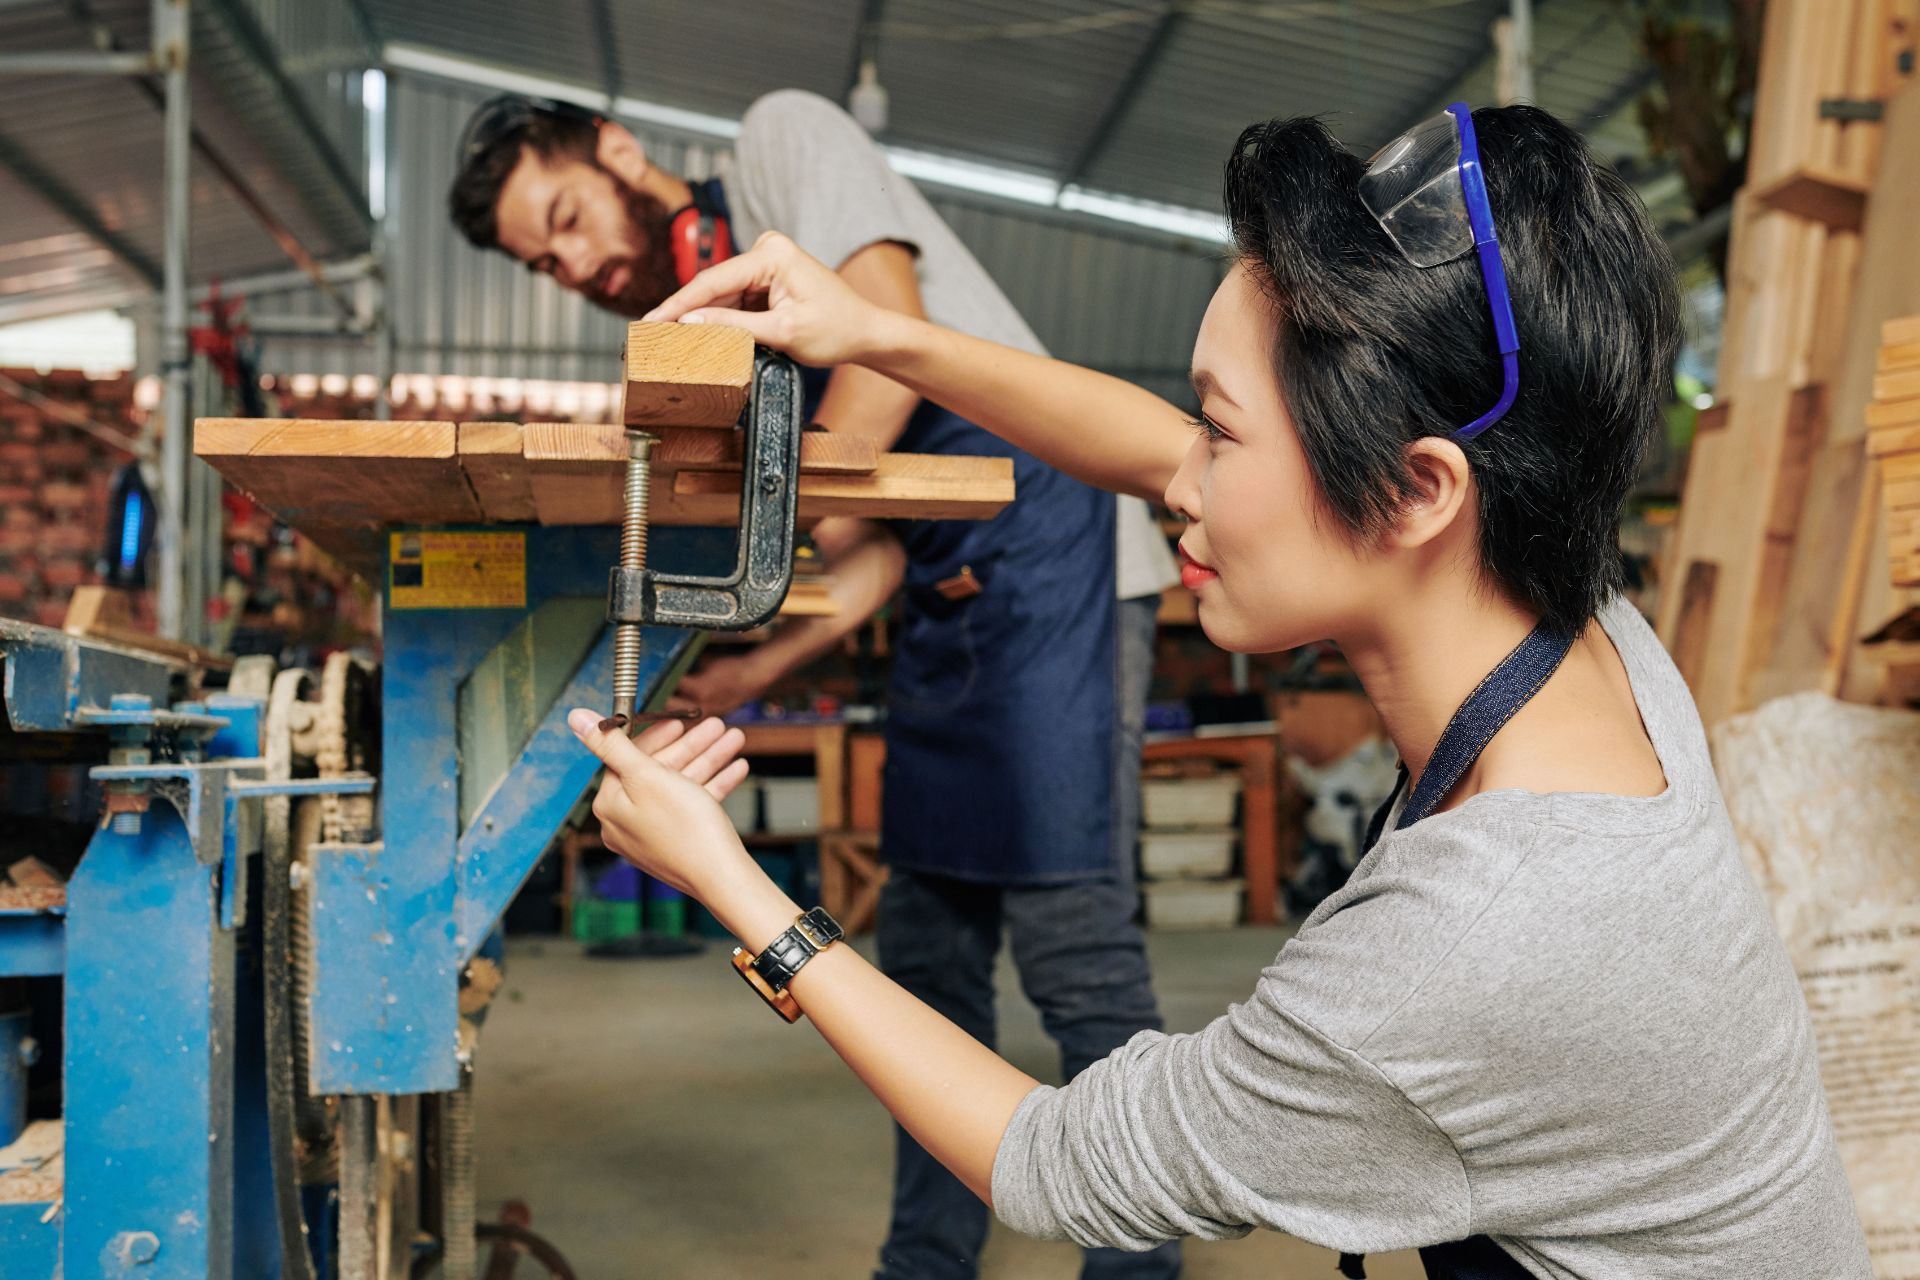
[(1493, 271)]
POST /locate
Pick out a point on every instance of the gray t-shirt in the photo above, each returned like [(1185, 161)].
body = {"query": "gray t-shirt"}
[(803, 167), (1564, 1021)]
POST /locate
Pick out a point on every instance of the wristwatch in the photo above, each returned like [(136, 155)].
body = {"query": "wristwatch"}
[(769, 972)]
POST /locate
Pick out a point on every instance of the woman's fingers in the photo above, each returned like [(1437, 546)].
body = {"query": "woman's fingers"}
[(727, 779), (768, 328), (722, 753), (689, 745), (658, 734)]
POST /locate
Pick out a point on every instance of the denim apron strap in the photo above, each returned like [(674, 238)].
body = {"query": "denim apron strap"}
[(1496, 700)]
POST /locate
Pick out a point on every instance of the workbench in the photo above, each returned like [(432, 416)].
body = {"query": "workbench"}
[(343, 483), (495, 549)]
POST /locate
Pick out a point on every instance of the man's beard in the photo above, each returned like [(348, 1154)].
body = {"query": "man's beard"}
[(652, 276)]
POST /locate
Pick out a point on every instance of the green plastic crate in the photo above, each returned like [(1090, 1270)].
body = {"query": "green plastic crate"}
[(598, 921)]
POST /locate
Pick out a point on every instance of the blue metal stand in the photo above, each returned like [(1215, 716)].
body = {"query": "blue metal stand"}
[(395, 922), (165, 1167)]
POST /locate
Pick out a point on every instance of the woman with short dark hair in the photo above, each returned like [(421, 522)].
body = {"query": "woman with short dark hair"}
[(1546, 1028)]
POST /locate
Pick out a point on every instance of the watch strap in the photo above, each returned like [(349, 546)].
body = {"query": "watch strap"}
[(769, 972)]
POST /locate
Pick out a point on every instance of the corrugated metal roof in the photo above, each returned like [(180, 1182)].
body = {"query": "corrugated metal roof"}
[(1028, 83), (719, 55), (1023, 100), (553, 38), (1139, 98), (1123, 301), (97, 140)]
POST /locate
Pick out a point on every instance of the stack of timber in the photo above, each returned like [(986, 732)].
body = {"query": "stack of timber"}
[(1893, 438), (341, 483), (1755, 599)]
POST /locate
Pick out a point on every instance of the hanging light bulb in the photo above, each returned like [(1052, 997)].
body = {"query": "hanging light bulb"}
[(868, 101)]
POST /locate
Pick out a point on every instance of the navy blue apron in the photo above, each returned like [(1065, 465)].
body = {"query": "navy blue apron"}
[(1496, 700), (1001, 707)]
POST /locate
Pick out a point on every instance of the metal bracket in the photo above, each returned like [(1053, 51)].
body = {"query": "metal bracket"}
[(206, 794), (769, 501), (197, 791), (1852, 109)]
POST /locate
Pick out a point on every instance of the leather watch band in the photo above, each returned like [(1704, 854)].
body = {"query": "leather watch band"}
[(769, 972)]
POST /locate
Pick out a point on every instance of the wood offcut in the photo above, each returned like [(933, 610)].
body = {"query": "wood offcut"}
[(686, 375)]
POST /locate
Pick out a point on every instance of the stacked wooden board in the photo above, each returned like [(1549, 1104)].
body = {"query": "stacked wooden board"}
[(1751, 593), (342, 482), (1893, 438)]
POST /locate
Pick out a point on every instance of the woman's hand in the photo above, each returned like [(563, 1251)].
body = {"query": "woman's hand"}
[(659, 803), (786, 300)]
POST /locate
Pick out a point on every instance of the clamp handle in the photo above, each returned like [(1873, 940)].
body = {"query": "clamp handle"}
[(769, 500)]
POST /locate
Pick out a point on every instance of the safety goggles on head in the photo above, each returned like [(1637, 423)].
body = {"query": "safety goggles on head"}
[(506, 114), (1427, 192)]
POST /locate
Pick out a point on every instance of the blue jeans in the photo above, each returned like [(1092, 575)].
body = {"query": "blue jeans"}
[(1082, 962)]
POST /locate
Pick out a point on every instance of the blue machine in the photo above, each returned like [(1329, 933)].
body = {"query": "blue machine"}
[(168, 1151)]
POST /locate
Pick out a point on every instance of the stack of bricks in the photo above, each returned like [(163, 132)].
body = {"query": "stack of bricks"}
[(55, 486)]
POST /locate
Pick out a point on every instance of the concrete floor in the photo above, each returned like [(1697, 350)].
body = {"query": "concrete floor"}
[(640, 1107)]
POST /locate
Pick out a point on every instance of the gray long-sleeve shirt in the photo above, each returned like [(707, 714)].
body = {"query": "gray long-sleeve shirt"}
[(1564, 1021)]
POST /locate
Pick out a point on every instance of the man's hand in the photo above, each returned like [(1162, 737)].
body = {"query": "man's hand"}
[(659, 802), (786, 300), (720, 686)]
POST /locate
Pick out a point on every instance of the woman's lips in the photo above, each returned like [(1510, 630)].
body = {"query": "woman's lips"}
[(1193, 574)]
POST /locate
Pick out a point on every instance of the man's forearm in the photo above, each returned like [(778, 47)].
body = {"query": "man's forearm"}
[(866, 573), (1095, 427)]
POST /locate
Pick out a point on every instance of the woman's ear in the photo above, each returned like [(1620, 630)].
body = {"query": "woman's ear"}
[(620, 153), (1442, 486)]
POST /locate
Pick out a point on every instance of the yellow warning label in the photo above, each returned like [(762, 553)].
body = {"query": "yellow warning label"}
[(453, 570)]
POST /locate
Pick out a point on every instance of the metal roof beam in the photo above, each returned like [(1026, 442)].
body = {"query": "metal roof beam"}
[(259, 47), (369, 33), (78, 63), (23, 167), (602, 16), (1122, 98)]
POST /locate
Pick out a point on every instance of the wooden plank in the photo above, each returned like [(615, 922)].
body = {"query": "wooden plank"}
[(1840, 637), (703, 449), (1831, 199), (1893, 440), (580, 492), (1869, 71), (1899, 385), (105, 613), (1898, 356), (1905, 329), (340, 483), (686, 375), (490, 455), (1893, 413), (923, 487), (1689, 643)]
